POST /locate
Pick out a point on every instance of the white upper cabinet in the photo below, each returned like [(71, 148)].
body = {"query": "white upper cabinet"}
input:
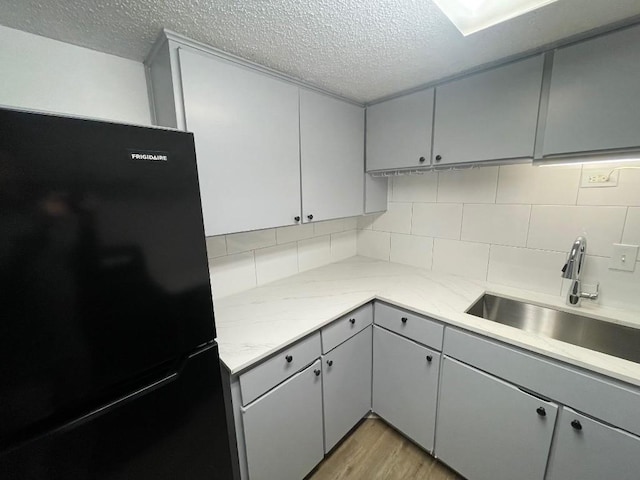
[(331, 157), (246, 133), (399, 132), (491, 115), (594, 98)]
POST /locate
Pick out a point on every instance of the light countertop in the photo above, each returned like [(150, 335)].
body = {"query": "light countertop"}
[(257, 323)]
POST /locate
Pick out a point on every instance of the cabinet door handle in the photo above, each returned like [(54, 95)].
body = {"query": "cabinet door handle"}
[(576, 424), (317, 372), (288, 358), (438, 158), (429, 358), (297, 218), (541, 411), (421, 159), (330, 363), (310, 217), (404, 319), (352, 321)]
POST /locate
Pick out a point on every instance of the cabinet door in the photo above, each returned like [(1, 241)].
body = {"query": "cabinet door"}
[(399, 132), (283, 428), (346, 386), (488, 429), (405, 385), (247, 144), (488, 116), (331, 157), (594, 99), (590, 450)]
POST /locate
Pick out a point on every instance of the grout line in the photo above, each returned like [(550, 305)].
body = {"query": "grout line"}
[(624, 225), (526, 241)]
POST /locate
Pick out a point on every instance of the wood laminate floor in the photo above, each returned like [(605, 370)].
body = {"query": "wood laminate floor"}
[(375, 451)]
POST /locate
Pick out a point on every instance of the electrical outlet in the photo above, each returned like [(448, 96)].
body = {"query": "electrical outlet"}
[(592, 178)]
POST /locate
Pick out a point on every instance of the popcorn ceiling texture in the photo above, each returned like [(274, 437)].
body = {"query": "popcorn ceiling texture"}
[(361, 49)]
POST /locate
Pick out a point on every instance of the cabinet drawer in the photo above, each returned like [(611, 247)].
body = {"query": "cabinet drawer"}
[(587, 392), (346, 327), (279, 367), (409, 325)]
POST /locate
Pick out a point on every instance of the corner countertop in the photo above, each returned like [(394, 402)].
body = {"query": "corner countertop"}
[(257, 323)]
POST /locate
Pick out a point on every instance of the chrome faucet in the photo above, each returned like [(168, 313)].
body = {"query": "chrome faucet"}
[(572, 270)]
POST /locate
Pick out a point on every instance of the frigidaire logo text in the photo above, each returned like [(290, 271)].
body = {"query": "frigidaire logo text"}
[(152, 156)]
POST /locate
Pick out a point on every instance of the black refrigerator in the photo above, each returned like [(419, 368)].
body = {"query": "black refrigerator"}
[(108, 364)]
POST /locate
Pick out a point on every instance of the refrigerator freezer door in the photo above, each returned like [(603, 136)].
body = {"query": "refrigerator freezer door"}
[(171, 431)]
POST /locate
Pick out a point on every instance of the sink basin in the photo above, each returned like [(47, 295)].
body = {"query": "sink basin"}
[(610, 338)]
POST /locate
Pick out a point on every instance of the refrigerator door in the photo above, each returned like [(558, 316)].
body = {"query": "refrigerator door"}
[(103, 267), (171, 430)]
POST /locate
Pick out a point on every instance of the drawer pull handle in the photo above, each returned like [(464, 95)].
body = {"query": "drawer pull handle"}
[(330, 363), (429, 358), (289, 358), (404, 319), (317, 372), (576, 424), (352, 321), (541, 411), (297, 218)]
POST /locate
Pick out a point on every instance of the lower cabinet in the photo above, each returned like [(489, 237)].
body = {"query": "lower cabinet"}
[(589, 450), (489, 429), (346, 386), (283, 428), (405, 385)]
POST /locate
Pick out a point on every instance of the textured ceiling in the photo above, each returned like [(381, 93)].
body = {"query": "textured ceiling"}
[(361, 49)]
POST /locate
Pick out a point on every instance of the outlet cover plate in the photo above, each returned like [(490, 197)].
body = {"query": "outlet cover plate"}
[(597, 178), (624, 257)]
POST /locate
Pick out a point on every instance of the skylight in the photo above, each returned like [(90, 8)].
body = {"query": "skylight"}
[(471, 16)]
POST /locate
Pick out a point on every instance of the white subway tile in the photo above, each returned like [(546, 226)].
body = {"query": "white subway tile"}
[(274, 263), (314, 253), (440, 220), (365, 222), (216, 246), (294, 233), (350, 223), (631, 233), (626, 193), (534, 185), (343, 245), (536, 270), (496, 224), (328, 227), (396, 219), (556, 227), (461, 258), (374, 244), (411, 250), (415, 188), (618, 289), (473, 185), (245, 241), (232, 274)]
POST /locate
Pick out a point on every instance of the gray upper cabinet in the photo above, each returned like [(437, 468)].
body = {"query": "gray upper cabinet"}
[(589, 450), (488, 429), (594, 98), (247, 144), (491, 115), (331, 156), (399, 132)]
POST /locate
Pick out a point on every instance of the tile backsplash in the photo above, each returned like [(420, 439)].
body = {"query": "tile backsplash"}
[(511, 225), (241, 261)]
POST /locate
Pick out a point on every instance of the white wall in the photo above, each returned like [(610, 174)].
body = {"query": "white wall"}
[(43, 74), (511, 225)]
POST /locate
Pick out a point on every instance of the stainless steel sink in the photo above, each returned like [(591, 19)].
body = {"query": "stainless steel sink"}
[(610, 338)]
